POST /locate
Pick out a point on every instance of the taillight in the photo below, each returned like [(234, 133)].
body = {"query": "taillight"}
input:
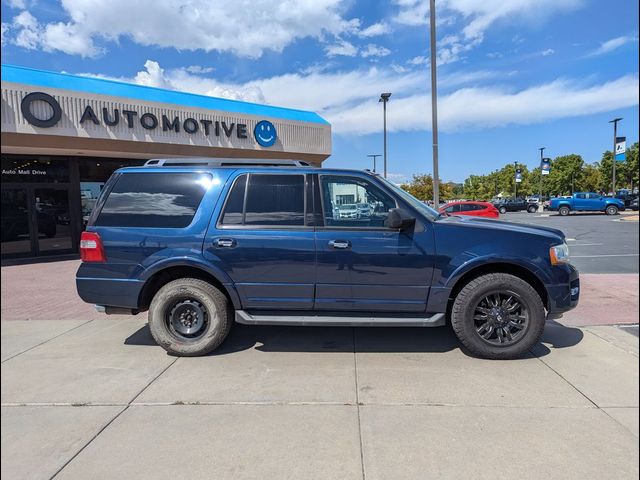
[(91, 249)]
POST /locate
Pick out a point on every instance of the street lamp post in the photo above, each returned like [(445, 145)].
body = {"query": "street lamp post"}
[(515, 178), (434, 103), (542, 149), (384, 98), (374, 160), (613, 153)]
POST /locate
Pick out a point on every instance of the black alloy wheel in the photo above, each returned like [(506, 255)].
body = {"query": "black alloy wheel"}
[(501, 318)]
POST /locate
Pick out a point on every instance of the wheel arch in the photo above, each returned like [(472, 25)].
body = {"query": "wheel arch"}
[(514, 269), (162, 276)]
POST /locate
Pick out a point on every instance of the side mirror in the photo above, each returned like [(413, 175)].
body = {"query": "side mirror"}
[(399, 219)]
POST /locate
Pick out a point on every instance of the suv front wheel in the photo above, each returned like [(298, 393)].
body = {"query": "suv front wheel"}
[(498, 316), (189, 317)]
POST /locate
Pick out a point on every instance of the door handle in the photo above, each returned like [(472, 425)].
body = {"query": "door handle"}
[(340, 244), (225, 242)]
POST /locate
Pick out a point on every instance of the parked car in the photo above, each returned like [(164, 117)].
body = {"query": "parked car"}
[(515, 205), (626, 197), (348, 211), (634, 204), (586, 202), (364, 210), (201, 246), (476, 209)]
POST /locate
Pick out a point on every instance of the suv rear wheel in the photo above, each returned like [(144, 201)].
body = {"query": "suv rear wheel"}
[(498, 316), (612, 210), (189, 317)]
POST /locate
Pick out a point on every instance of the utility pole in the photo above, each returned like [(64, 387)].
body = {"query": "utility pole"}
[(515, 179), (384, 98), (374, 160), (434, 103), (613, 153), (542, 149)]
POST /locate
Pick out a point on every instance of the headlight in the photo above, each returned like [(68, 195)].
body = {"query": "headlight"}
[(559, 254)]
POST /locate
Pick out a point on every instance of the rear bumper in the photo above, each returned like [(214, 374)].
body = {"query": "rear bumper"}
[(564, 297), (110, 292)]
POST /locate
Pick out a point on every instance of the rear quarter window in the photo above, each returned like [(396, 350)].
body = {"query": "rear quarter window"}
[(153, 200)]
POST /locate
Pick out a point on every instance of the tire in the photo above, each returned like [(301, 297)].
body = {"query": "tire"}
[(466, 327), (532, 209), (564, 211), (502, 210), (190, 294), (611, 210)]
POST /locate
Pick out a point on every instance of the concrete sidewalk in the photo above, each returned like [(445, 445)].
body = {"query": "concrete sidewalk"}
[(47, 291), (97, 399), (90, 396)]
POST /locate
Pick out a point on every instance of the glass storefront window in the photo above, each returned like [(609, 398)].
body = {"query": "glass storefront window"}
[(94, 173), (34, 169)]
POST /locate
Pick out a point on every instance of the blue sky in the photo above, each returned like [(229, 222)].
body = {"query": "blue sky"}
[(513, 75)]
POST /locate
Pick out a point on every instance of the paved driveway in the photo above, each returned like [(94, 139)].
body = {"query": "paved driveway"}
[(97, 399)]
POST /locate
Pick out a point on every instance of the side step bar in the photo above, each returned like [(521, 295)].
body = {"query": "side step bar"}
[(246, 318)]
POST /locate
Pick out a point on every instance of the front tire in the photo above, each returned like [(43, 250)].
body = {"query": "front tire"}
[(612, 210), (502, 210), (564, 211), (532, 209), (189, 317), (498, 316)]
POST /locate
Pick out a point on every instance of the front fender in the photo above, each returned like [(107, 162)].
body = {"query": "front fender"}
[(484, 261)]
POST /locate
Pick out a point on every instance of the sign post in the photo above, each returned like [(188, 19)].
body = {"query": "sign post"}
[(615, 145), (518, 178)]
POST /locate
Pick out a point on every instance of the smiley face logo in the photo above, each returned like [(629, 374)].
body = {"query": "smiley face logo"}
[(265, 133)]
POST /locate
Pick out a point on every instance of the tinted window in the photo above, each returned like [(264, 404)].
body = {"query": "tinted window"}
[(234, 208), (580, 195), (269, 200), (369, 208), (153, 200), (453, 209)]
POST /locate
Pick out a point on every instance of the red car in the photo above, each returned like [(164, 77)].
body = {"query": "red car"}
[(477, 209)]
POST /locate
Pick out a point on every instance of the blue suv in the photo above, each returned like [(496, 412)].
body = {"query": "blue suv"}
[(200, 243)]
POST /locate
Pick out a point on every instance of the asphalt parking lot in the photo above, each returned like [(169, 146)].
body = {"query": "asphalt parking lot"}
[(598, 243)]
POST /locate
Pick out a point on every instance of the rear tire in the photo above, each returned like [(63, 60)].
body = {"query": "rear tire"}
[(189, 317), (532, 209), (564, 211), (502, 210), (612, 210), (521, 327)]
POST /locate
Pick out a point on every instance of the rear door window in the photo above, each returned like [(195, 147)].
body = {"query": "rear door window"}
[(266, 200), (155, 200)]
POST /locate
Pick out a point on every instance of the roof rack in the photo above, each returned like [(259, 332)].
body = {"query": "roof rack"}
[(223, 162)]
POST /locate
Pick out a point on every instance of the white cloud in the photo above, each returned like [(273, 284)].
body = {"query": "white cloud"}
[(488, 107), (547, 52), (199, 69), (29, 31), (374, 30), (419, 60), (349, 100), (375, 51), (475, 18), (19, 4), (342, 48), (245, 27), (613, 44), (5, 29)]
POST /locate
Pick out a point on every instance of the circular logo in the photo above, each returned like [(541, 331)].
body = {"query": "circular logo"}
[(265, 133), (56, 111)]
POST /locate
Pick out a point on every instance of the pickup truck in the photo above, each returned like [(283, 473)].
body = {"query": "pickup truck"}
[(586, 202)]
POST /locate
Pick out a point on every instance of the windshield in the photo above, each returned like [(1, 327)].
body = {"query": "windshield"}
[(425, 209)]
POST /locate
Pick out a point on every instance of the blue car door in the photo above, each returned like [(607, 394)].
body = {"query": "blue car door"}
[(595, 202), (361, 265), (263, 239), (580, 201)]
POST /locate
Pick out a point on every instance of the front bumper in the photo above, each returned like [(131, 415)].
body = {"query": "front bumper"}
[(565, 296)]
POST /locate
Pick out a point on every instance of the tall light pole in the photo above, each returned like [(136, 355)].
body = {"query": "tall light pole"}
[(542, 149), (434, 103), (613, 153), (515, 179), (384, 98), (374, 160)]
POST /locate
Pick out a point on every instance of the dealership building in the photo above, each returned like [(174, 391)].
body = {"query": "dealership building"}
[(63, 135)]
